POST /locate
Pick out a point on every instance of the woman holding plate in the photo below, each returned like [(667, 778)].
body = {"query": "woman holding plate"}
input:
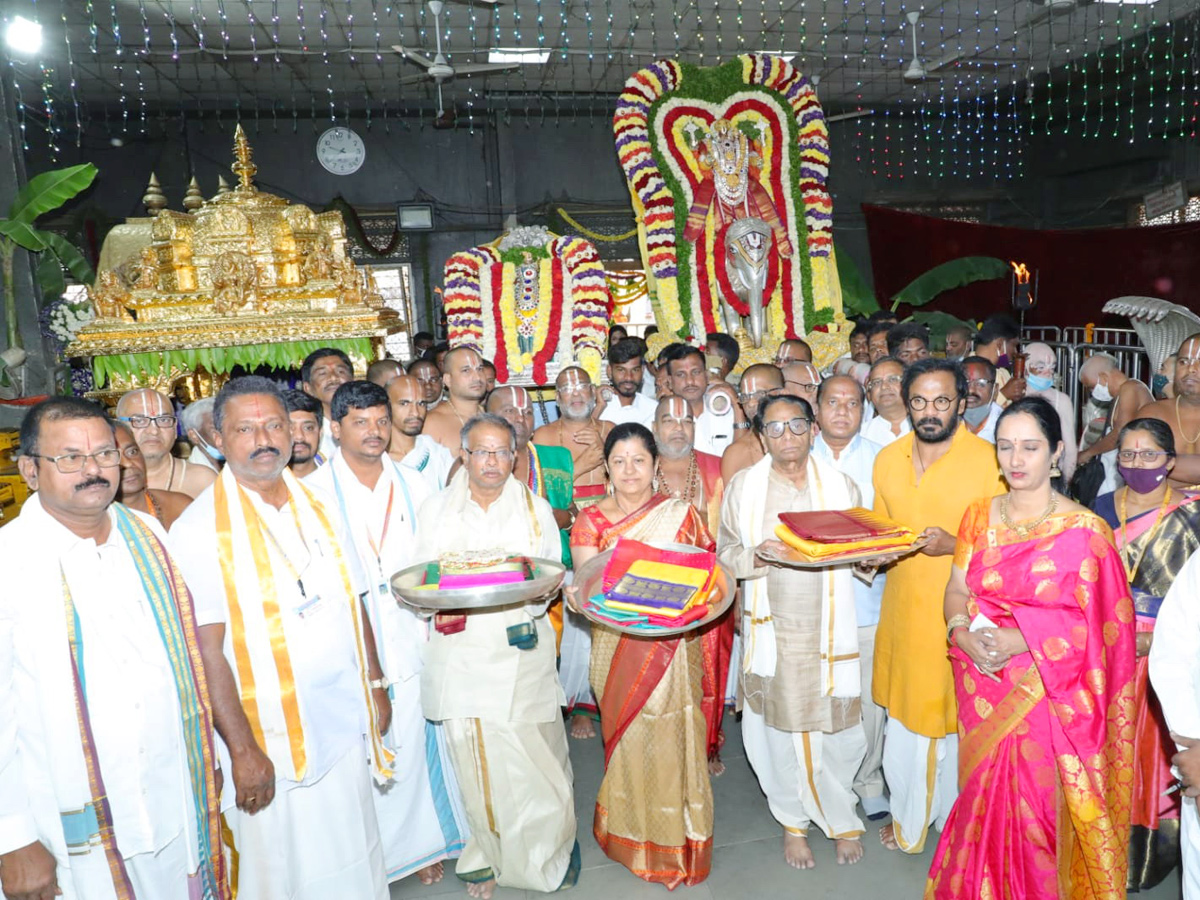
[(654, 812)]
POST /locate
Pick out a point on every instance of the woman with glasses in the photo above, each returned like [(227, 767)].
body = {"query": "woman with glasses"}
[(1157, 527), (1041, 634), (654, 812), (800, 678), (1040, 365)]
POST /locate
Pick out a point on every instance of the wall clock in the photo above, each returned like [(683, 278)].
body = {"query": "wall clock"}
[(341, 151)]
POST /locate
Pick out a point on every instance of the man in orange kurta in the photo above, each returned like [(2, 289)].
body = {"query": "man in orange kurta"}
[(925, 479)]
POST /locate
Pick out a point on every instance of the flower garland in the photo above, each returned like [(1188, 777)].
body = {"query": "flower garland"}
[(654, 193), (595, 235), (462, 300), (591, 300), (62, 320)]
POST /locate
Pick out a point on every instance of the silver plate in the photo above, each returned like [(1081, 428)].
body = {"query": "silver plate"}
[(549, 579), (794, 559), (590, 576)]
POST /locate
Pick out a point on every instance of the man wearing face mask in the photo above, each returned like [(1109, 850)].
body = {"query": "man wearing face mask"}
[(196, 420), (1039, 382), (982, 410), (999, 341), (1118, 397)]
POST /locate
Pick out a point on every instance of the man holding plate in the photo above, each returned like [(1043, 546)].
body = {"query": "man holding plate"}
[(490, 678)]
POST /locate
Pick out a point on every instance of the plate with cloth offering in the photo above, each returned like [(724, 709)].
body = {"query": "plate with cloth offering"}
[(653, 590), (831, 537), (477, 580)]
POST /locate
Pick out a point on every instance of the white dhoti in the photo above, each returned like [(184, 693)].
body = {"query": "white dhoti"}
[(515, 779), (162, 874), (922, 776), (420, 811), (807, 776), (574, 661), (1189, 846), (868, 783), (314, 841)]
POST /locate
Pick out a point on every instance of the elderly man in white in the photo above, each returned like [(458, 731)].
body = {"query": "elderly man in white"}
[(107, 783), (421, 820), (291, 664), (489, 676)]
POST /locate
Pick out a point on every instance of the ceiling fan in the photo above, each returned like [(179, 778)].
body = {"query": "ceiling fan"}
[(438, 69), (919, 71)]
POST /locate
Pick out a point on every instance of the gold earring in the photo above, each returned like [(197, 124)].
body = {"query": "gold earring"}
[(1055, 471)]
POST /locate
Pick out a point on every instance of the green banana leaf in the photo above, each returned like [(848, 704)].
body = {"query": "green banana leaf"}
[(49, 191), (68, 256), (938, 323), (50, 277), (857, 298), (956, 273), (22, 234)]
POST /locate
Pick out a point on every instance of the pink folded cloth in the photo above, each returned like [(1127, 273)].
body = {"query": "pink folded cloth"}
[(478, 579)]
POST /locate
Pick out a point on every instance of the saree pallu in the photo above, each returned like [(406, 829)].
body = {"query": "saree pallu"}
[(716, 640), (1157, 554), (1046, 752), (654, 810)]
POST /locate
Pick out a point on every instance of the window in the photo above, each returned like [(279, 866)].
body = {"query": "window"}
[(1190, 213), (394, 281)]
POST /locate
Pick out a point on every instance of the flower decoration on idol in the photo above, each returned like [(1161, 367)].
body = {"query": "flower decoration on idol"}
[(62, 319)]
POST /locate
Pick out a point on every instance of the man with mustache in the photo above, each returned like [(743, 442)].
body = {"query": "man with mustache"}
[(304, 422), (323, 372), (982, 409), (883, 390), (465, 380), (377, 500), (290, 661), (577, 430), (153, 419), (924, 480), (163, 505), (109, 791), (626, 368), (408, 445)]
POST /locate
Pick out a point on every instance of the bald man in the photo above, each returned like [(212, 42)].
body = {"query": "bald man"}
[(382, 371), (1121, 396), (791, 351), (465, 381), (578, 430), (152, 419), (408, 446), (1183, 413), (758, 382)]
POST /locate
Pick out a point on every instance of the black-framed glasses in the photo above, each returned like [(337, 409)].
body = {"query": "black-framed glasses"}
[(797, 426), (756, 397), (941, 404), (802, 387), (166, 421), (980, 383), (501, 455), (1146, 456), (70, 463)]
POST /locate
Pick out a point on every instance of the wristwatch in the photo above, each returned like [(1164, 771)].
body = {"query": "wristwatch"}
[(379, 684)]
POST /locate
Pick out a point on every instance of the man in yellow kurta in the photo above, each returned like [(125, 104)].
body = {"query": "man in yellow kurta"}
[(925, 480)]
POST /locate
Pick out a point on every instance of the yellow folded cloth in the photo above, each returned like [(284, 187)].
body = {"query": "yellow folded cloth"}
[(815, 550)]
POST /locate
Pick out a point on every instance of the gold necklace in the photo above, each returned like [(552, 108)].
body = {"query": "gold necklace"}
[(1024, 530), (1162, 509), (1179, 422)]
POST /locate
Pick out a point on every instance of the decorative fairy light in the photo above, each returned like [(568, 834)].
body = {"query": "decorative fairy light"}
[(71, 80)]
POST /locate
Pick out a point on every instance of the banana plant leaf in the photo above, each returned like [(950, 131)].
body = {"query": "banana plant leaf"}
[(49, 191), (857, 298), (938, 323), (68, 257), (956, 273), (23, 235)]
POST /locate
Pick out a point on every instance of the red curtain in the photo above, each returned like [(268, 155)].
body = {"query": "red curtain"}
[(1078, 271)]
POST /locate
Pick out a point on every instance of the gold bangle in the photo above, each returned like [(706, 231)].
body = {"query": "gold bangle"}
[(956, 622)]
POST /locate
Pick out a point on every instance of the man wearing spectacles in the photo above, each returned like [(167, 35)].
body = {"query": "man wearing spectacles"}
[(490, 677), (799, 706), (153, 421), (1182, 413), (131, 639), (883, 390), (925, 481), (759, 381), (982, 409)]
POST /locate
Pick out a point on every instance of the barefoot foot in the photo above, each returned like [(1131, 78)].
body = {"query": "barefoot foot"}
[(716, 768), (796, 852), (581, 727), (482, 889), (431, 874), (887, 837), (849, 851)]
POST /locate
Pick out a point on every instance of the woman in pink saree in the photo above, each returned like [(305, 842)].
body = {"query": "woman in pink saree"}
[(1041, 629)]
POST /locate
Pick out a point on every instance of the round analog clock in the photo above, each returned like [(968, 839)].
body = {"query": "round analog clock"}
[(341, 151)]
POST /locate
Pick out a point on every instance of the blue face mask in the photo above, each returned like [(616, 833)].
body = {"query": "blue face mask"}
[(1158, 384), (1039, 382), (208, 448)]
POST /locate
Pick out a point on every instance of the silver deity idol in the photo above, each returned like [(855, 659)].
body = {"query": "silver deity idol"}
[(747, 245)]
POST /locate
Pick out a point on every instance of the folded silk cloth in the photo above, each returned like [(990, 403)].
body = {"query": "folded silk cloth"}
[(828, 534)]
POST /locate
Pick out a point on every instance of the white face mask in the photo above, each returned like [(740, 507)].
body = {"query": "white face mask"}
[(1100, 393)]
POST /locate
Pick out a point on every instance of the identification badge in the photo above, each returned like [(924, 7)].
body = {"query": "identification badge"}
[(310, 607)]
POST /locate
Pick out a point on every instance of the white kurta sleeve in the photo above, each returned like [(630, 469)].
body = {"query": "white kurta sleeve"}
[(17, 828), (1175, 653), (738, 559)]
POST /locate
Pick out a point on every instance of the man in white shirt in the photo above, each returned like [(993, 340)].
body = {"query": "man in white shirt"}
[(839, 411), (982, 409), (109, 791), (1175, 674), (290, 661), (625, 369), (377, 500), (323, 372), (713, 404), (408, 446), (883, 390), (489, 676), (196, 420)]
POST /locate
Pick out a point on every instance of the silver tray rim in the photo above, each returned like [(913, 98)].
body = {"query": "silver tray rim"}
[(478, 598)]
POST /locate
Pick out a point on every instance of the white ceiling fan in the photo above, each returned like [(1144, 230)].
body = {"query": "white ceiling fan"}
[(438, 69), (919, 71)]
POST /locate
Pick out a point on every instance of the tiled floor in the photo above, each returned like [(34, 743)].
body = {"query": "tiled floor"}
[(748, 857)]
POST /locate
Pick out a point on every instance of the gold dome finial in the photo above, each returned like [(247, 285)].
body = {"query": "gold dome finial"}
[(222, 186), (154, 199), (193, 199), (243, 165)]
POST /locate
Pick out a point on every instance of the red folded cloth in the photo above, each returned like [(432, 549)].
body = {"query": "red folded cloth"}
[(627, 551), (839, 526), (695, 614)]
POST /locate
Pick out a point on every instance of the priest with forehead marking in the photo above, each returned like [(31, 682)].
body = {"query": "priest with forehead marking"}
[(153, 420)]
